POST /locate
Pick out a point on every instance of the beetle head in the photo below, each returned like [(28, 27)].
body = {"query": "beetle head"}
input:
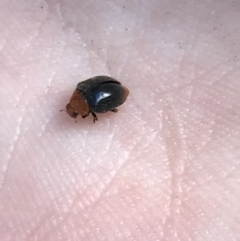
[(72, 111)]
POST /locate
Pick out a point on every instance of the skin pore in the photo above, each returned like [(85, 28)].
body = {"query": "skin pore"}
[(166, 166)]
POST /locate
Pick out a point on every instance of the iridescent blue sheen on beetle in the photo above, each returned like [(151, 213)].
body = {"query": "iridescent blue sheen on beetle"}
[(96, 95)]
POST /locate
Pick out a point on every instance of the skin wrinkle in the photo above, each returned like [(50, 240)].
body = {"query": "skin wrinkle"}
[(223, 78), (211, 133), (110, 182), (11, 152), (64, 217), (175, 177), (37, 227)]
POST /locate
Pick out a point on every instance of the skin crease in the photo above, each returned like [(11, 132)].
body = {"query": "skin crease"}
[(166, 166)]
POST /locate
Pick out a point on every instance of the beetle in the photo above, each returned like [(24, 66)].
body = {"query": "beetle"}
[(99, 94)]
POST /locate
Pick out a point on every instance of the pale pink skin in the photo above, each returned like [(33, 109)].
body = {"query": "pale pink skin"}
[(166, 166)]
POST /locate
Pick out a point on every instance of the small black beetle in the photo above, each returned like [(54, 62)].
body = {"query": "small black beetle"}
[(96, 95)]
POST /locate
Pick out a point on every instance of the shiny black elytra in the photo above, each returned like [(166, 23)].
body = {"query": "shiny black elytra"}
[(99, 94)]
